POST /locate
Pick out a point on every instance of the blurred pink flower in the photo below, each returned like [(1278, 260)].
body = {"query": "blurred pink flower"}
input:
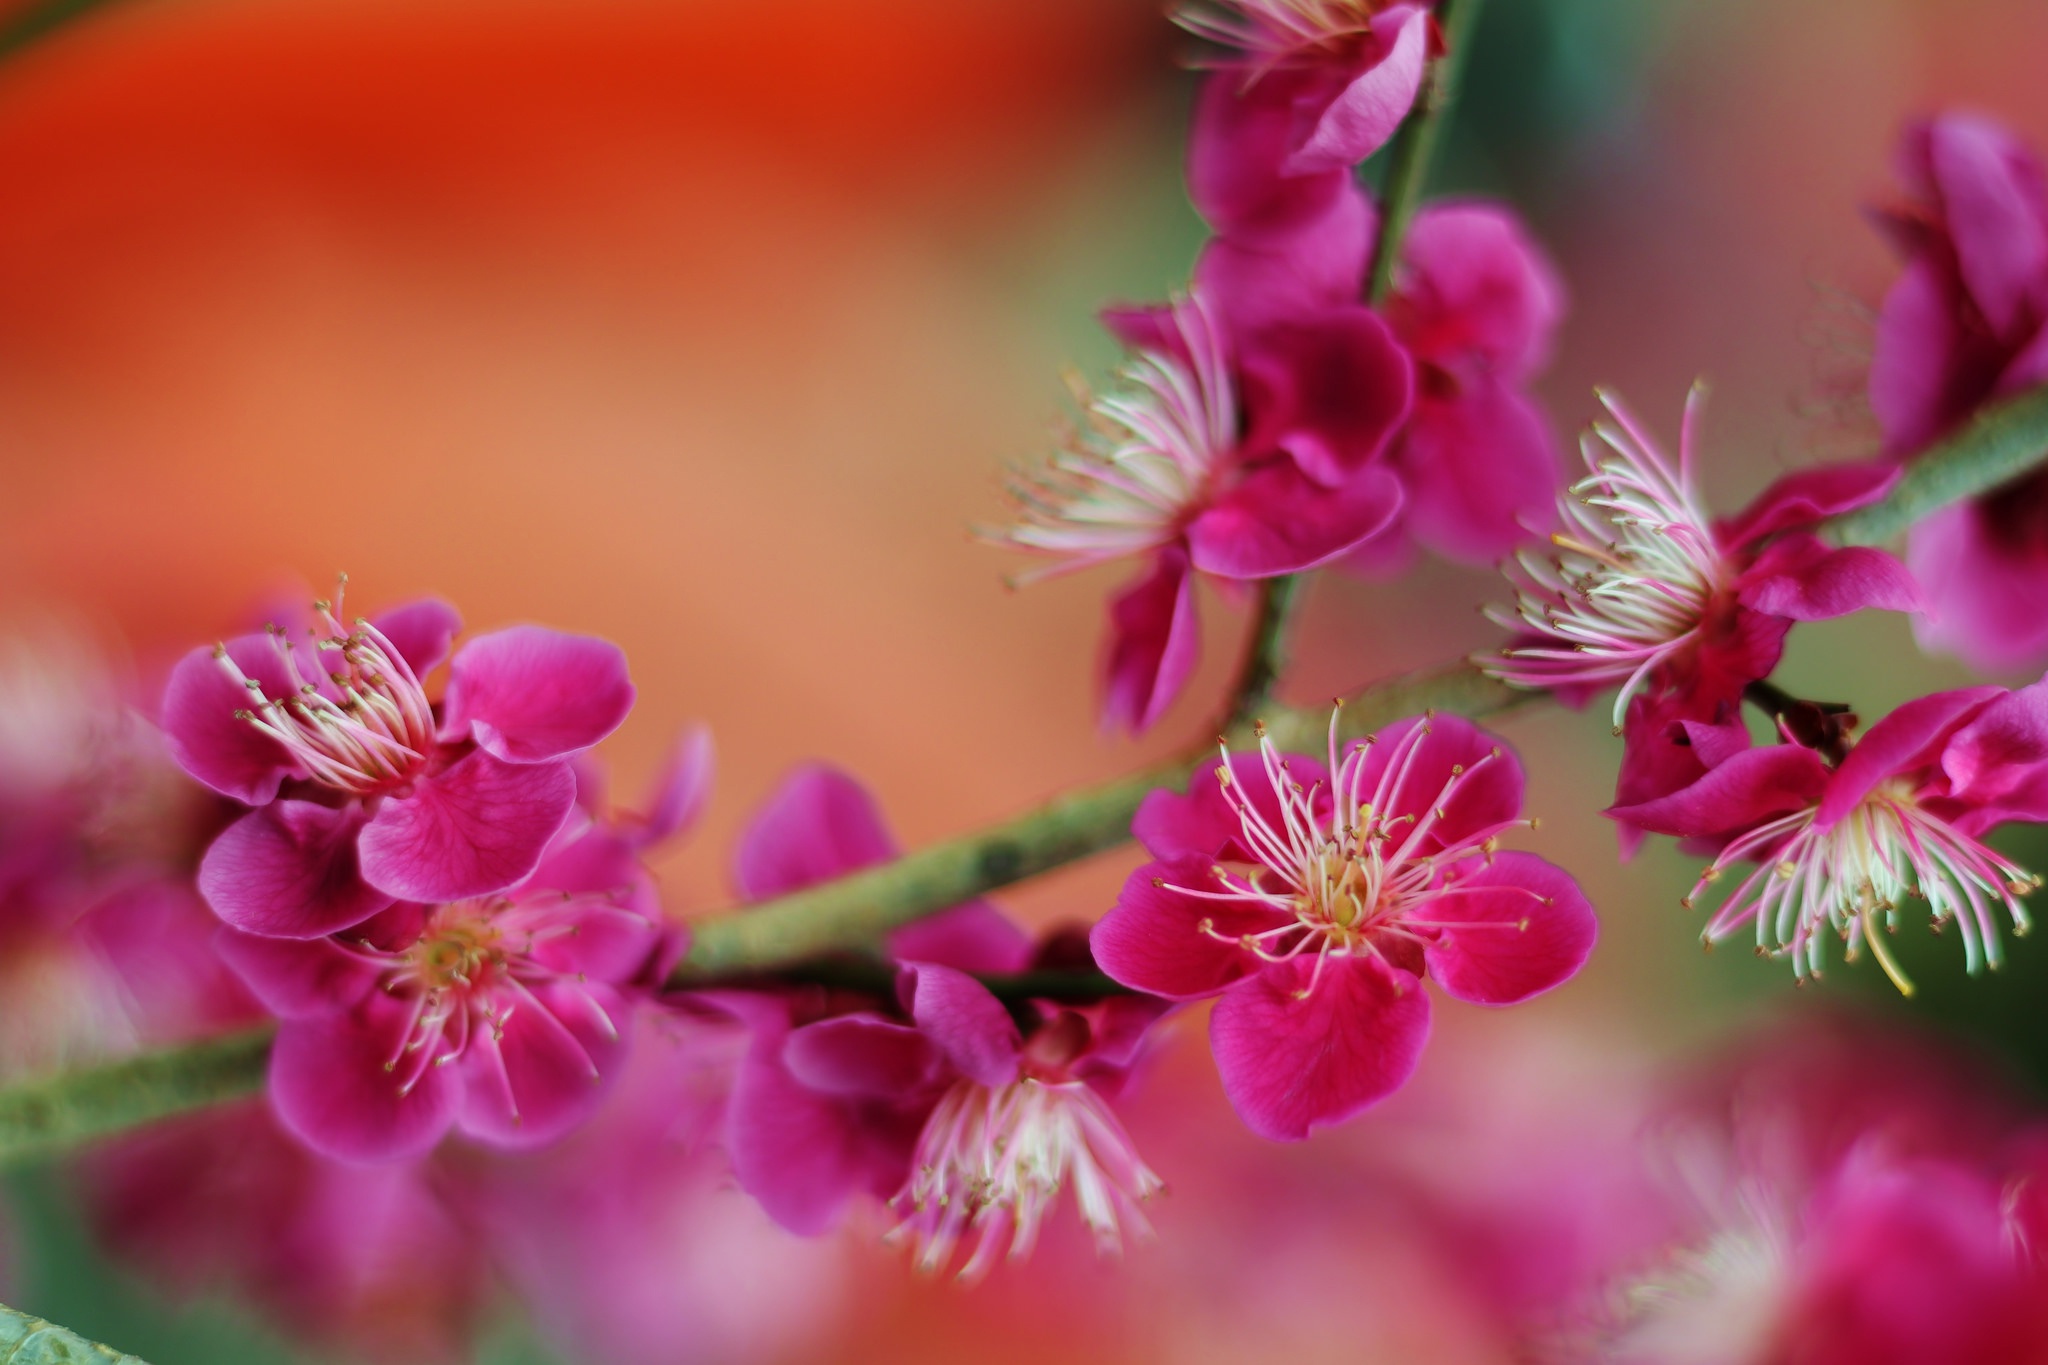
[(1238, 452), (1967, 322), (1644, 592), (1902, 815), (500, 1015), (368, 1258), (364, 794), (1363, 877)]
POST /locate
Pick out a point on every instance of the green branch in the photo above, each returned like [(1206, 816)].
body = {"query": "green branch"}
[(2003, 441), (52, 1113), (26, 1340), (1414, 145)]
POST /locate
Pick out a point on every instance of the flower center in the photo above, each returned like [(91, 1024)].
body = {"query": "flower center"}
[(1635, 573), (362, 724), (1854, 875), (991, 1160), (1123, 484)]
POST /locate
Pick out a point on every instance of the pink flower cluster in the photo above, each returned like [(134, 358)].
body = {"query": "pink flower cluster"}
[(1272, 421)]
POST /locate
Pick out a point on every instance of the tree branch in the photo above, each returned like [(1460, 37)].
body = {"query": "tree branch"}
[(26, 1340), (52, 1113), (1414, 145), (2003, 441)]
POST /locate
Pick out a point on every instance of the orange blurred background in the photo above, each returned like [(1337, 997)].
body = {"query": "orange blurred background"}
[(708, 327)]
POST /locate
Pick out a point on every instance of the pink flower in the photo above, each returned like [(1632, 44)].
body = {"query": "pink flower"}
[(1643, 592), (1336, 77), (498, 1014), (368, 1258), (1841, 849), (365, 792), (1967, 322), (1241, 453), (1313, 900)]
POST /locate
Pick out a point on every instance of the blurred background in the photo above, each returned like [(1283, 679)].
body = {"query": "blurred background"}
[(709, 327)]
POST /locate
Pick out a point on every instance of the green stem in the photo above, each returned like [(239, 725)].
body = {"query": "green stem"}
[(29, 25), (2003, 441), (52, 1113), (1266, 654), (26, 1340), (1414, 144)]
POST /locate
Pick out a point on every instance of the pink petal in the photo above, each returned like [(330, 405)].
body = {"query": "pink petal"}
[(1241, 134), (1276, 521), (1290, 1065), (226, 753), (558, 1049), (682, 791), (1146, 327), (1908, 738), (1476, 296), (1204, 823), (295, 978), (289, 870), (1152, 940), (330, 1086), (861, 1056), (2003, 747), (1994, 207), (1480, 471), (421, 631), (1748, 789), (1533, 929), (609, 940), (1925, 372), (975, 937), (819, 824), (1801, 580), (1330, 388), (1984, 592), (1316, 263), (967, 1024), (1806, 498), (1154, 640), (529, 694), (1486, 794), (471, 829), (1372, 106)]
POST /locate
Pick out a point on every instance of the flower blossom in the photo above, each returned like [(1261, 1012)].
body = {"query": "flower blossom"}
[(365, 793), (930, 1097), (1239, 453), (1838, 850), (1313, 899), (1967, 323), (1343, 72), (1645, 594), (502, 1014)]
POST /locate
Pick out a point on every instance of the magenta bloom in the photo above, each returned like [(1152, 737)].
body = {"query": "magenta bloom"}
[(500, 1015), (1643, 592), (1839, 851), (1967, 322), (1334, 77), (367, 1258), (1242, 453), (1313, 900), (365, 793)]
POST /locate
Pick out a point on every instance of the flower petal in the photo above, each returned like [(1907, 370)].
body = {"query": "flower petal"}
[(967, 1024), (1480, 471), (1807, 497), (421, 631), (1993, 204), (331, 1086), (1153, 939), (471, 829), (1476, 296), (1330, 388), (1926, 370), (544, 1071), (1748, 788), (682, 791), (1154, 640), (1532, 928), (1240, 136), (208, 739), (975, 937), (1204, 823), (2003, 747), (1317, 262), (861, 1056), (1360, 120), (529, 694), (1277, 521), (295, 978), (1984, 588), (818, 825), (1402, 776), (1290, 1065), (289, 870), (1800, 579), (1910, 736)]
